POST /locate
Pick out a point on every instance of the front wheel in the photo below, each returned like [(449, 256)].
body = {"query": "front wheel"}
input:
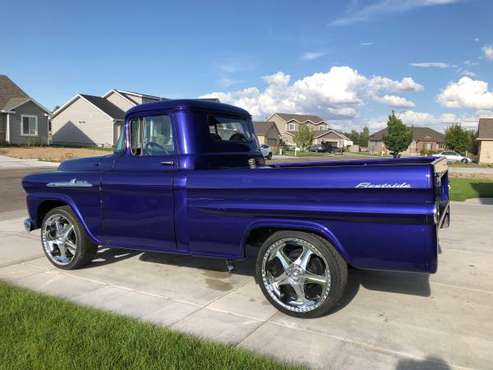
[(301, 274), (64, 240), (465, 160)]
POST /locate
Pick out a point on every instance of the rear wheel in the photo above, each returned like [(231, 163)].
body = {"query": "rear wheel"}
[(300, 273), (464, 160), (64, 240)]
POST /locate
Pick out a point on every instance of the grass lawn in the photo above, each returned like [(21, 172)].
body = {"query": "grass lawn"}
[(38, 331), (462, 189)]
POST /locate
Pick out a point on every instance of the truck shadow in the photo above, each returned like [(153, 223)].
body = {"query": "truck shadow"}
[(384, 281), (394, 282), (417, 284)]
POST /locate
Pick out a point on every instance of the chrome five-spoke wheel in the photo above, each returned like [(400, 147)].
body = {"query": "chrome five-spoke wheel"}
[(59, 239), (64, 240), (296, 275), (301, 273)]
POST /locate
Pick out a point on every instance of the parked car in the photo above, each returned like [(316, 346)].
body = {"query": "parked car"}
[(454, 156), (266, 151), (187, 177)]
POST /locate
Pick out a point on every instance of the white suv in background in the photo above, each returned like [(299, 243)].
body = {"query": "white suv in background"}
[(454, 156), (266, 151)]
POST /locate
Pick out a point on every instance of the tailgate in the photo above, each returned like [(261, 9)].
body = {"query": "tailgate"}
[(441, 187)]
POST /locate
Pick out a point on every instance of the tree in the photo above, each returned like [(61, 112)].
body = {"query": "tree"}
[(398, 136), (364, 137), (474, 144), (458, 139), (304, 137)]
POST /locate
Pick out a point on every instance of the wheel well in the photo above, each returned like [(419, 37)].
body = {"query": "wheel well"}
[(258, 236), (46, 207)]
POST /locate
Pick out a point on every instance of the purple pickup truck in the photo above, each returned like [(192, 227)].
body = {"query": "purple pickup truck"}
[(187, 177)]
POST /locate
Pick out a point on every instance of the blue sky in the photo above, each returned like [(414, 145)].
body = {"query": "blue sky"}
[(351, 62)]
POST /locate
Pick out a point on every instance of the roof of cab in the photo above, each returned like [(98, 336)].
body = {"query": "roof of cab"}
[(183, 104)]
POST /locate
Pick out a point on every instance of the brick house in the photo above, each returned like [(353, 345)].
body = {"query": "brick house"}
[(268, 133), (424, 139), (485, 139), (289, 124)]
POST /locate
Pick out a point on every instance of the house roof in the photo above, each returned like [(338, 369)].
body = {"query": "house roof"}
[(300, 117), (263, 127), (485, 128), (106, 106), (12, 96), (13, 103), (419, 134), (9, 90)]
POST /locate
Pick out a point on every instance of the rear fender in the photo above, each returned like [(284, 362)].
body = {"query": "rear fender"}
[(300, 225), (35, 200)]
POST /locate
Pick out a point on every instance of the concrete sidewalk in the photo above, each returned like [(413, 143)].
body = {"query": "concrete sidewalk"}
[(9, 163), (386, 320)]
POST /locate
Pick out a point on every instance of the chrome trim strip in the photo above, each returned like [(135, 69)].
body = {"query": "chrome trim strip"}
[(74, 183)]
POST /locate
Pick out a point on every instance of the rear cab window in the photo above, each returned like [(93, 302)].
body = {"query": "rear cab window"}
[(230, 134)]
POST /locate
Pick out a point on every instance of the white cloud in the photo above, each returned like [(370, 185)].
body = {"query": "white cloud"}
[(432, 65), (488, 52), (470, 63), (395, 101), (407, 84), (337, 93), (312, 55), (366, 43), (466, 93), (382, 7), (467, 73)]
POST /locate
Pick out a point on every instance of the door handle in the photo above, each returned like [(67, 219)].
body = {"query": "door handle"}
[(168, 163)]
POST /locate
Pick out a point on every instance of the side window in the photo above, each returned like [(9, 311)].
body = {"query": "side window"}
[(152, 136), (157, 135)]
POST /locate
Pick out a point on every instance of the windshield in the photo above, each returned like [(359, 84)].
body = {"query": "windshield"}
[(230, 134)]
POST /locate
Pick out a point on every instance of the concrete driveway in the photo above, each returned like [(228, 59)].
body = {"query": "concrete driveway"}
[(9, 163), (386, 320)]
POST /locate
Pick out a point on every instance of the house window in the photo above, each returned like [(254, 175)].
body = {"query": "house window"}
[(292, 127), (29, 126)]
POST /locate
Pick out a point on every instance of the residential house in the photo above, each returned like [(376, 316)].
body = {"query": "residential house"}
[(424, 139), (485, 138), (268, 133), (89, 120), (22, 119), (289, 124)]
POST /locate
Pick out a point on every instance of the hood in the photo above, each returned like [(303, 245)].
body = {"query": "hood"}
[(81, 164)]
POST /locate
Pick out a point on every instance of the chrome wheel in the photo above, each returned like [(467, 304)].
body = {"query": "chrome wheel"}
[(296, 275), (59, 239)]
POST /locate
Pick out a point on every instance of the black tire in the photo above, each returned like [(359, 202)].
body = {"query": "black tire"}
[(269, 156), (464, 160), (85, 250), (337, 266)]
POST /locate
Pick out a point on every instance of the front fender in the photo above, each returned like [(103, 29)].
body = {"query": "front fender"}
[(301, 225), (35, 201)]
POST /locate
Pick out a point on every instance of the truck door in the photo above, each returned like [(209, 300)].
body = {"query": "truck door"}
[(137, 188)]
